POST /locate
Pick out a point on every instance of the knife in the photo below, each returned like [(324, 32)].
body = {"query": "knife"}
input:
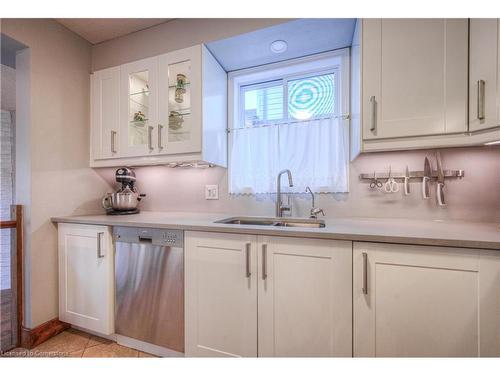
[(440, 181), (426, 178), (407, 182)]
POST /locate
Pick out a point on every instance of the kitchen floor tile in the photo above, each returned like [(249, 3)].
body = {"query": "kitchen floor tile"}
[(67, 341), (146, 355), (96, 340), (75, 344), (77, 354), (111, 349)]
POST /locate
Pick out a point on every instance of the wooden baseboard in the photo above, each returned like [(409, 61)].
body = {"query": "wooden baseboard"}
[(31, 338)]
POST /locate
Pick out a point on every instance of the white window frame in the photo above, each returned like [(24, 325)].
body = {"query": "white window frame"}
[(338, 60)]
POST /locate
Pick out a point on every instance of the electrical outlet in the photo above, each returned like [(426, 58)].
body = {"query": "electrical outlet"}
[(211, 192)]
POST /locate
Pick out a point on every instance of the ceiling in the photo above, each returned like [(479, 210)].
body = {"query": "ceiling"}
[(304, 37), (9, 47), (97, 30)]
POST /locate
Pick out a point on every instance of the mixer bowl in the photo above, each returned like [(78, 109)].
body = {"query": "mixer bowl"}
[(121, 201)]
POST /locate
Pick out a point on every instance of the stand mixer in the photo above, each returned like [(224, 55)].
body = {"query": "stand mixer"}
[(125, 200)]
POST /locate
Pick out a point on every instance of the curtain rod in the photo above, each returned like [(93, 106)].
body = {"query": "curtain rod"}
[(343, 117)]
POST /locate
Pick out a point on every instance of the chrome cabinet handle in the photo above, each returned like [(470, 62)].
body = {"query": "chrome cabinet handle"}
[(247, 255), (365, 273), (99, 245), (160, 127), (264, 262), (113, 144), (480, 99), (373, 120), (150, 138)]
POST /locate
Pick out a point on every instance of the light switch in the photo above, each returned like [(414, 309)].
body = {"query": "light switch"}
[(211, 191)]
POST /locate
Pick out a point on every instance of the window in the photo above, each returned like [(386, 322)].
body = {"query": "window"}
[(290, 115)]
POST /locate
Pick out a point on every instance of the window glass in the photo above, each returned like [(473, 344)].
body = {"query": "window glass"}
[(263, 104), (311, 97)]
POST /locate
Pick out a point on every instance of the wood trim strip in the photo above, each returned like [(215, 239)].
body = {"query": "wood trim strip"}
[(34, 337), (8, 223), (19, 220)]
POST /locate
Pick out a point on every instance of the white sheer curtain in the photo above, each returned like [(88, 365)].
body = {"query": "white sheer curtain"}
[(316, 152)]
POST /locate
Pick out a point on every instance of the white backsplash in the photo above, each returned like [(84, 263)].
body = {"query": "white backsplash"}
[(474, 197)]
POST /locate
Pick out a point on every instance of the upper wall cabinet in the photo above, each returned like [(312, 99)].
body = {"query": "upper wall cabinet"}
[(166, 109), (411, 76), (105, 114), (180, 97), (139, 110), (414, 77), (484, 89)]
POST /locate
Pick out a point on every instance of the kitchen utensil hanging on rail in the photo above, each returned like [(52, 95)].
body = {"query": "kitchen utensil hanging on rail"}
[(391, 186), (440, 181), (426, 179), (407, 182)]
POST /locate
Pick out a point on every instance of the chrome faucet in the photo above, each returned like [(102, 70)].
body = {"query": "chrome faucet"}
[(280, 207), (314, 211)]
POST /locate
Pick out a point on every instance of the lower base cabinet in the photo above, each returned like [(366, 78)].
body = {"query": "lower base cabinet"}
[(220, 273), (250, 296), (422, 301), (86, 278)]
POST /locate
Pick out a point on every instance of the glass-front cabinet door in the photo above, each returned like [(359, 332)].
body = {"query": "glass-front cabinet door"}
[(139, 112), (180, 105)]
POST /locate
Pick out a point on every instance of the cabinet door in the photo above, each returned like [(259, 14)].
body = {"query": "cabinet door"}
[(305, 297), (86, 287), (220, 295), (414, 77), (180, 126), (484, 87), (139, 107), (421, 301), (105, 102)]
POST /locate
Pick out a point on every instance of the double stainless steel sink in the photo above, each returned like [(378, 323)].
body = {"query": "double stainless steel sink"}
[(274, 222)]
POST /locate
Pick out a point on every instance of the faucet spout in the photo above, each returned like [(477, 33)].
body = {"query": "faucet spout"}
[(279, 205), (308, 190)]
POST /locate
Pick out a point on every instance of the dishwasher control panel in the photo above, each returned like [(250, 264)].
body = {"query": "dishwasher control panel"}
[(155, 236)]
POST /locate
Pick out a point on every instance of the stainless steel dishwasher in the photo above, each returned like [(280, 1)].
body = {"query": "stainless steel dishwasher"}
[(149, 285)]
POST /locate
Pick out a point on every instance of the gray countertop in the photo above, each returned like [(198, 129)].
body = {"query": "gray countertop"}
[(404, 231)]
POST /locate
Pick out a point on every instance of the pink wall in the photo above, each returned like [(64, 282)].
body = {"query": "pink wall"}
[(474, 197)]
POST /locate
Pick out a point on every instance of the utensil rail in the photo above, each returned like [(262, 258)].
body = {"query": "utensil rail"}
[(448, 173)]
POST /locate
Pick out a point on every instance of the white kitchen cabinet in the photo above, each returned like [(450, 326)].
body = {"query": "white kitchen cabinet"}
[(289, 297), (172, 109), (414, 77), (105, 114), (305, 297), (139, 106), (181, 101), (424, 301), (86, 279), (220, 295), (484, 86)]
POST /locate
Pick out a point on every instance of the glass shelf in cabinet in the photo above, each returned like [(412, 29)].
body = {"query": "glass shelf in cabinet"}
[(140, 93), (182, 112), (186, 85), (138, 123)]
